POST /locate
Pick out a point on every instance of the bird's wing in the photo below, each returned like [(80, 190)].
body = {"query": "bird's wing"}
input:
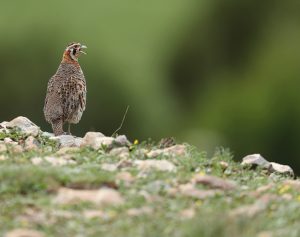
[(73, 94)]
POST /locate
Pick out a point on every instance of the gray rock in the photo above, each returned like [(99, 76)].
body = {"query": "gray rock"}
[(214, 182), (122, 140), (162, 165), (66, 140), (177, 150), (255, 160), (48, 134), (96, 140), (109, 167), (282, 169), (31, 144), (121, 152), (189, 190), (25, 125), (3, 148), (102, 197), (24, 233)]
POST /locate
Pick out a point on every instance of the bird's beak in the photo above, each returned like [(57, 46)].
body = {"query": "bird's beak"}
[(82, 47)]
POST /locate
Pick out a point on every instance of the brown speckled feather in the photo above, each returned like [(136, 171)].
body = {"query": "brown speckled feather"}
[(66, 95)]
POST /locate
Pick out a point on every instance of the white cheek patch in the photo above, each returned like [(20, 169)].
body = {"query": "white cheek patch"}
[(72, 55)]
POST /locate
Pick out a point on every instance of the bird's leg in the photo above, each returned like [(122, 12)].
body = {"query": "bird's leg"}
[(69, 129), (57, 127)]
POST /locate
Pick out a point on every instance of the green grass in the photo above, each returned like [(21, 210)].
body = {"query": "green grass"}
[(27, 188)]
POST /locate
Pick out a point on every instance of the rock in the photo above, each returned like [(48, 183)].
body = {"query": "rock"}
[(124, 177), (157, 186), (65, 150), (190, 190), (8, 140), (3, 148), (96, 140), (122, 152), (187, 213), (282, 169), (25, 125), (24, 233), (177, 150), (64, 140), (139, 211), (48, 134), (31, 144), (78, 141), (255, 160), (224, 165), (90, 214), (102, 197), (214, 182), (122, 140), (17, 149), (125, 163), (2, 158), (162, 165), (109, 167), (55, 161)]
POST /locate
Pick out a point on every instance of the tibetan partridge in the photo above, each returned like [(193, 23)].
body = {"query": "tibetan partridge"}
[(66, 92)]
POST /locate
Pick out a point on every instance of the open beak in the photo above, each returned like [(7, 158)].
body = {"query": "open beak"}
[(82, 47)]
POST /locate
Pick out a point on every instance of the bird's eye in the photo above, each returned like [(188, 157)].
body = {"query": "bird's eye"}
[(74, 51)]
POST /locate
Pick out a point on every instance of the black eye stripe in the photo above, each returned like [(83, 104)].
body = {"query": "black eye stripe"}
[(74, 51)]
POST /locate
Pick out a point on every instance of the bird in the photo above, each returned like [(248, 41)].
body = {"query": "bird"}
[(66, 91)]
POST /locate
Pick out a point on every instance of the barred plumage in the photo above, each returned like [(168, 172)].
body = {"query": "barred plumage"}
[(66, 92)]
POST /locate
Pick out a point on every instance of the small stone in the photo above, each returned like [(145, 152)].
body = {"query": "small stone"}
[(177, 150), (90, 214), (162, 165), (224, 165), (125, 177), (17, 149), (109, 167), (64, 140), (2, 158), (65, 150), (25, 125), (187, 213), (78, 141), (125, 163), (214, 182), (122, 152), (282, 169), (8, 140), (24, 233), (190, 190), (55, 161), (36, 160), (96, 140), (48, 134), (139, 211), (103, 196), (255, 160), (58, 161), (31, 144), (122, 140), (3, 148)]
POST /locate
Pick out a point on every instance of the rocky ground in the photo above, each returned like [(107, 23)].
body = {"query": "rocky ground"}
[(108, 186)]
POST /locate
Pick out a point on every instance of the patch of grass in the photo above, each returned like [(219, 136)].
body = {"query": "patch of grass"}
[(26, 188)]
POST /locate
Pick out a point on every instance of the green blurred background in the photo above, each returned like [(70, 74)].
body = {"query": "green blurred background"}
[(212, 73)]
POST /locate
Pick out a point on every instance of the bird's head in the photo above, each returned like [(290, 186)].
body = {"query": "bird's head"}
[(73, 51)]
